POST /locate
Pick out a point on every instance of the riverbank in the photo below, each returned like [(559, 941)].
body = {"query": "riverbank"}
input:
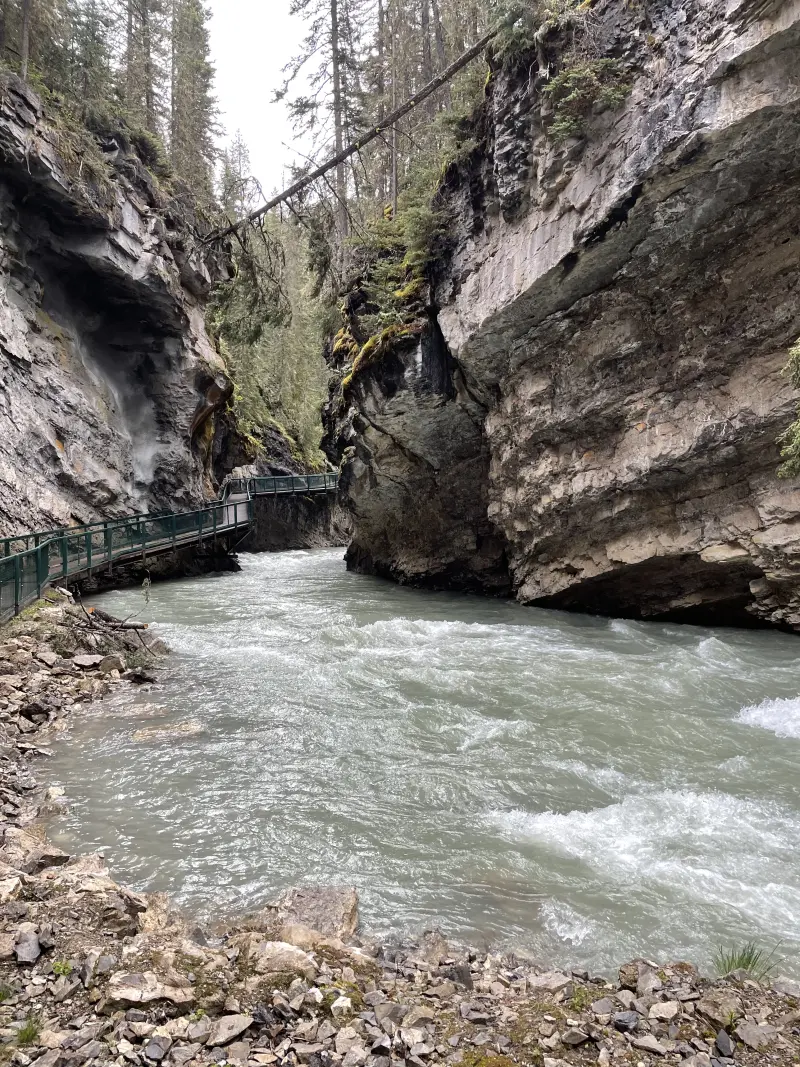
[(92, 972)]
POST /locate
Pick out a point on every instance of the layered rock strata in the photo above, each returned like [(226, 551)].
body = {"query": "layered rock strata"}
[(614, 318), (106, 370)]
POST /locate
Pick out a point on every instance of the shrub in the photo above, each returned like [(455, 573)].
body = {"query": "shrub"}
[(789, 440), (578, 89)]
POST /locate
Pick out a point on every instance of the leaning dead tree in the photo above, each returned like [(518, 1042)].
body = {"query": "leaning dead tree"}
[(387, 123)]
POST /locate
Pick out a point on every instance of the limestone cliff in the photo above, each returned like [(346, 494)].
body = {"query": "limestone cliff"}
[(105, 366), (591, 419)]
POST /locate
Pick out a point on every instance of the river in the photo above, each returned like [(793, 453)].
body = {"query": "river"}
[(587, 789)]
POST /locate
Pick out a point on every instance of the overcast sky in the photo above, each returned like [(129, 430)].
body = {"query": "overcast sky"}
[(251, 41)]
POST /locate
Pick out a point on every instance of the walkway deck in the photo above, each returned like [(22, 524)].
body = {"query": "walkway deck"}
[(31, 562)]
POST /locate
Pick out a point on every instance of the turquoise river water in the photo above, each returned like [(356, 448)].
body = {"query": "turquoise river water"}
[(587, 789)]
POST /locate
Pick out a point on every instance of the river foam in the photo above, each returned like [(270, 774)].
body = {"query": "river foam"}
[(782, 717)]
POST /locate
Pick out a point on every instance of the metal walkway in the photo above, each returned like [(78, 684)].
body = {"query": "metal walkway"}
[(31, 562)]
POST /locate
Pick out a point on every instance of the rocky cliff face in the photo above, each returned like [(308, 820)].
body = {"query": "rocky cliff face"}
[(597, 430), (106, 371)]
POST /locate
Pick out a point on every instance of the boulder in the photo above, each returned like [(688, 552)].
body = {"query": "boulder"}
[(111, 663), (330, 910)]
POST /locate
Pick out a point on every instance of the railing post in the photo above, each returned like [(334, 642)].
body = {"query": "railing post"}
[(64, 560), (88, 537), (16, 585), (174, 525)]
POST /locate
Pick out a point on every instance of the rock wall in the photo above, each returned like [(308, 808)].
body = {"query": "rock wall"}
[(294, 521), (615, 315), (105, 366)]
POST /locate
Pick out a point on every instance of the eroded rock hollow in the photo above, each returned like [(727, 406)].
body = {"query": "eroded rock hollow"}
[(107, 377), (591, 420)]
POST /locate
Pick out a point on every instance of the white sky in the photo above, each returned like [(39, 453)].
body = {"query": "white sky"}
[(251, 42)]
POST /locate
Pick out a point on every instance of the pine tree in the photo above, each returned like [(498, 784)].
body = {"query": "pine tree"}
[(193, 107)]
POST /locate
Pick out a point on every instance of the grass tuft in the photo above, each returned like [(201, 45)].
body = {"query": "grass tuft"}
[(757, 962), (28, 1033)]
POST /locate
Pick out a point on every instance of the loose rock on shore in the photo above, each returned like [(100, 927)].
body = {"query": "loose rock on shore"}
[(94, 973)]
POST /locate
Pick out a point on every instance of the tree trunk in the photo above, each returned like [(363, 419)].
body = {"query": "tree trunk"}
[(394, 124), (25, 38), (381, 90), (3, 26), (425, 28), (441, 50), (130, 57), (338, 122), (149, 75), (173, 103)]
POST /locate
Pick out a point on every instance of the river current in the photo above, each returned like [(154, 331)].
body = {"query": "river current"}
[(587, 789)]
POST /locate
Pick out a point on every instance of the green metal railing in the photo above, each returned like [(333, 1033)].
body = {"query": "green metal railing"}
[(32, 561)]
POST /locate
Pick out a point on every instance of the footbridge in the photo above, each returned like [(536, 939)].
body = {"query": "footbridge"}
[(31, 562)]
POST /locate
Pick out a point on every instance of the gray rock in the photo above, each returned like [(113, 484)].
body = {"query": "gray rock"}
[(390, 1009), (128, 990), (574, 1037), (157, 1047), (725, 1045), (755, 1037), (228, 1027), (86, 662), (648, 1043), (115, 662), (605, 1006), (26, 944), (626, 1021)]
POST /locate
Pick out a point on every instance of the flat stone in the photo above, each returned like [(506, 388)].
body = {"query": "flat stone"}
[(720, 1006), (199, 1030), (128, 990), (332, 910), (238, 1052), (550, 981), (10, 889), (111, 663), (573, 1037), (648, 1043), (345, 1039), (228, 1027), (755, 1037), (279, 957), (87, 662), (342, 1007)]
